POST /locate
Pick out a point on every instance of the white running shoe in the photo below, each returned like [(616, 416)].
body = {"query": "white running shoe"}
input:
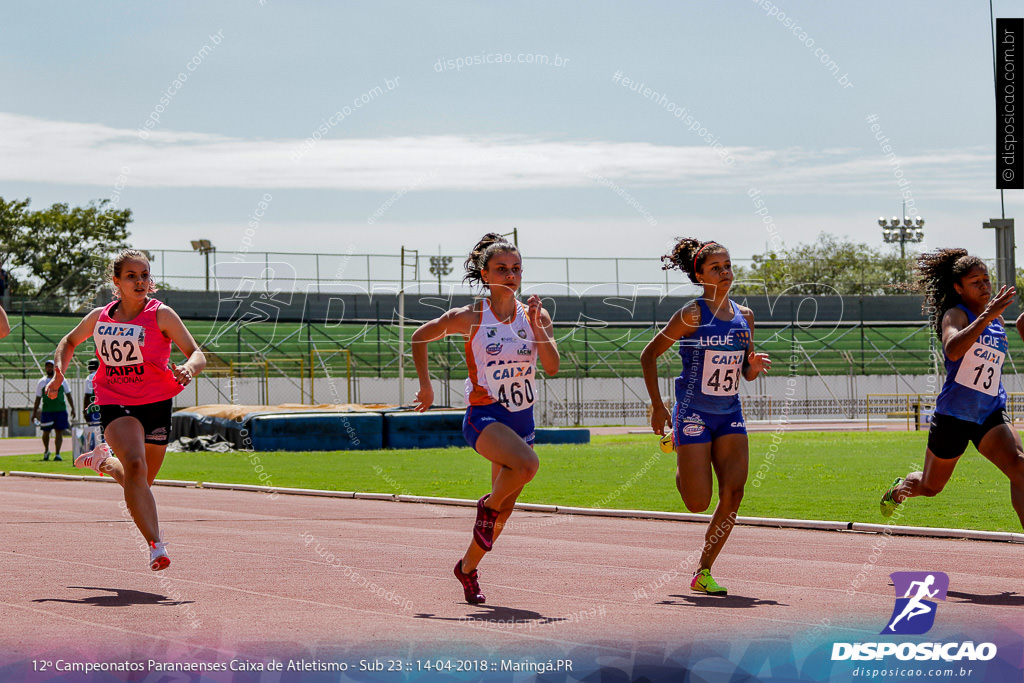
[(94, 458), (158, 556)]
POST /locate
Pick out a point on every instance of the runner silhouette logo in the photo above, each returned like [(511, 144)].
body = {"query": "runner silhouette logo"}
[(916, 592)]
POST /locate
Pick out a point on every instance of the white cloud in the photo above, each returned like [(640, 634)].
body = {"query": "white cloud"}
[(72, 153)]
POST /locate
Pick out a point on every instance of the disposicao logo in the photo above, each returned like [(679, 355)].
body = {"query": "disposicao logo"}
[(914, 612)]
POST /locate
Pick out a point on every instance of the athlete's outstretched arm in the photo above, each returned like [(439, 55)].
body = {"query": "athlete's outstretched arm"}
[(455, 321), (66, 350), (175, 330), (753, 363), (683, 323), (958, 336), (544, 335), (5, 325)]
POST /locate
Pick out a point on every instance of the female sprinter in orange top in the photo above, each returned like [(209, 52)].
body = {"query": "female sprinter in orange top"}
[(716, 345), (504, 339), (134, 386)]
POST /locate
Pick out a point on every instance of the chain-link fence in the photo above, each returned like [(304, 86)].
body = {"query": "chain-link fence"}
[(822, 369), (441, 273)]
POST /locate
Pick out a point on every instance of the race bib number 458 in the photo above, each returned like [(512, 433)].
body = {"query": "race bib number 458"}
[(512, 384), (118, 344), (981, 369), (722, 372)]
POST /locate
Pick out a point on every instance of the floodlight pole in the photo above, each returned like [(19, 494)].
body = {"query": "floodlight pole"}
[(204, 247), (909, 230), (415, 254), (1006, 263), (401, 331)]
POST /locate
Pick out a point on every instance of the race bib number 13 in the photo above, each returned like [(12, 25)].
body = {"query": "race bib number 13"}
[(512, 384), (722, 372), (981, 369), (118, 344)]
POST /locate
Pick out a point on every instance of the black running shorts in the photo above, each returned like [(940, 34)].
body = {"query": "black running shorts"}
[(949, 435), (155, 418)]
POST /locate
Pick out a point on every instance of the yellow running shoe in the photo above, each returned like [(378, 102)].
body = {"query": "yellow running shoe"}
[(888, 505), (666, 443), (703, 582)]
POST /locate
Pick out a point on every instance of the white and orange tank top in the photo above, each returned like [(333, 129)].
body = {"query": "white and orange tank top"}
[(133, 359), (502, 361)]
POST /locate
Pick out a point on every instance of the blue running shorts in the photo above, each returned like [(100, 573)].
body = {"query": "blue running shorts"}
[(478, 417)]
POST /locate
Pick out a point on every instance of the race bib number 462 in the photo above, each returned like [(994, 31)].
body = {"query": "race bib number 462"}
[(512, 385), (118, 344), (722, 372), (981, 369)]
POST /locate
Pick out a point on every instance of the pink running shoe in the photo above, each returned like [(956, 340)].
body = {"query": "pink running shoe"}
[(483, 530), (94, 458), (470, 585)]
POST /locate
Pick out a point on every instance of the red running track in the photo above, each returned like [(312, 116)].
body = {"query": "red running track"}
[(305, 574)]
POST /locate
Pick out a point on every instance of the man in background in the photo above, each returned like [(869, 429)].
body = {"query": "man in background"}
[(90, 411), (54, 414)]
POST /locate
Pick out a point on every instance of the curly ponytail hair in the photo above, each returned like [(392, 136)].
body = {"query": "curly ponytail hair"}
[(689, 255), (490, 244), (937, 272)]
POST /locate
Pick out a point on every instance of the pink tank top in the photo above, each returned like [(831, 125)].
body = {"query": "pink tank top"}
[(133, 359)]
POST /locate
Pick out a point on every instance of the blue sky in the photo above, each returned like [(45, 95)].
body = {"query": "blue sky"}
[(579, 163)]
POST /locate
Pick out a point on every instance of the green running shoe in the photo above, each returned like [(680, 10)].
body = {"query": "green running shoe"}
[(704, 583), (888, 505)]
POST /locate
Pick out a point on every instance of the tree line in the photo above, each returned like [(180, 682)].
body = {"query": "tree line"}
[(829, 265), (60, 252)]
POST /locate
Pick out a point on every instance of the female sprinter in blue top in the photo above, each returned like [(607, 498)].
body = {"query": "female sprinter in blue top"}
[(971, 405), (504, 338), (716, 345)]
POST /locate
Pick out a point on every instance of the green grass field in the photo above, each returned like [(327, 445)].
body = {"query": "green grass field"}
[(815, 475), (586, 352)]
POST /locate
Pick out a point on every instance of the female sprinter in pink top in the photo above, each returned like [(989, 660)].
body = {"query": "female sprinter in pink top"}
[(134, 387), (504, 339)]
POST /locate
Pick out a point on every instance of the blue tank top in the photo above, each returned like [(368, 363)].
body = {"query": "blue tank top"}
[(713, 362), (973, 389)]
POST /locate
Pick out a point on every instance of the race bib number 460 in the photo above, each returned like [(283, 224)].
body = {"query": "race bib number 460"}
[(118, 344), (722, 372), (981, 369), (512, 384)]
